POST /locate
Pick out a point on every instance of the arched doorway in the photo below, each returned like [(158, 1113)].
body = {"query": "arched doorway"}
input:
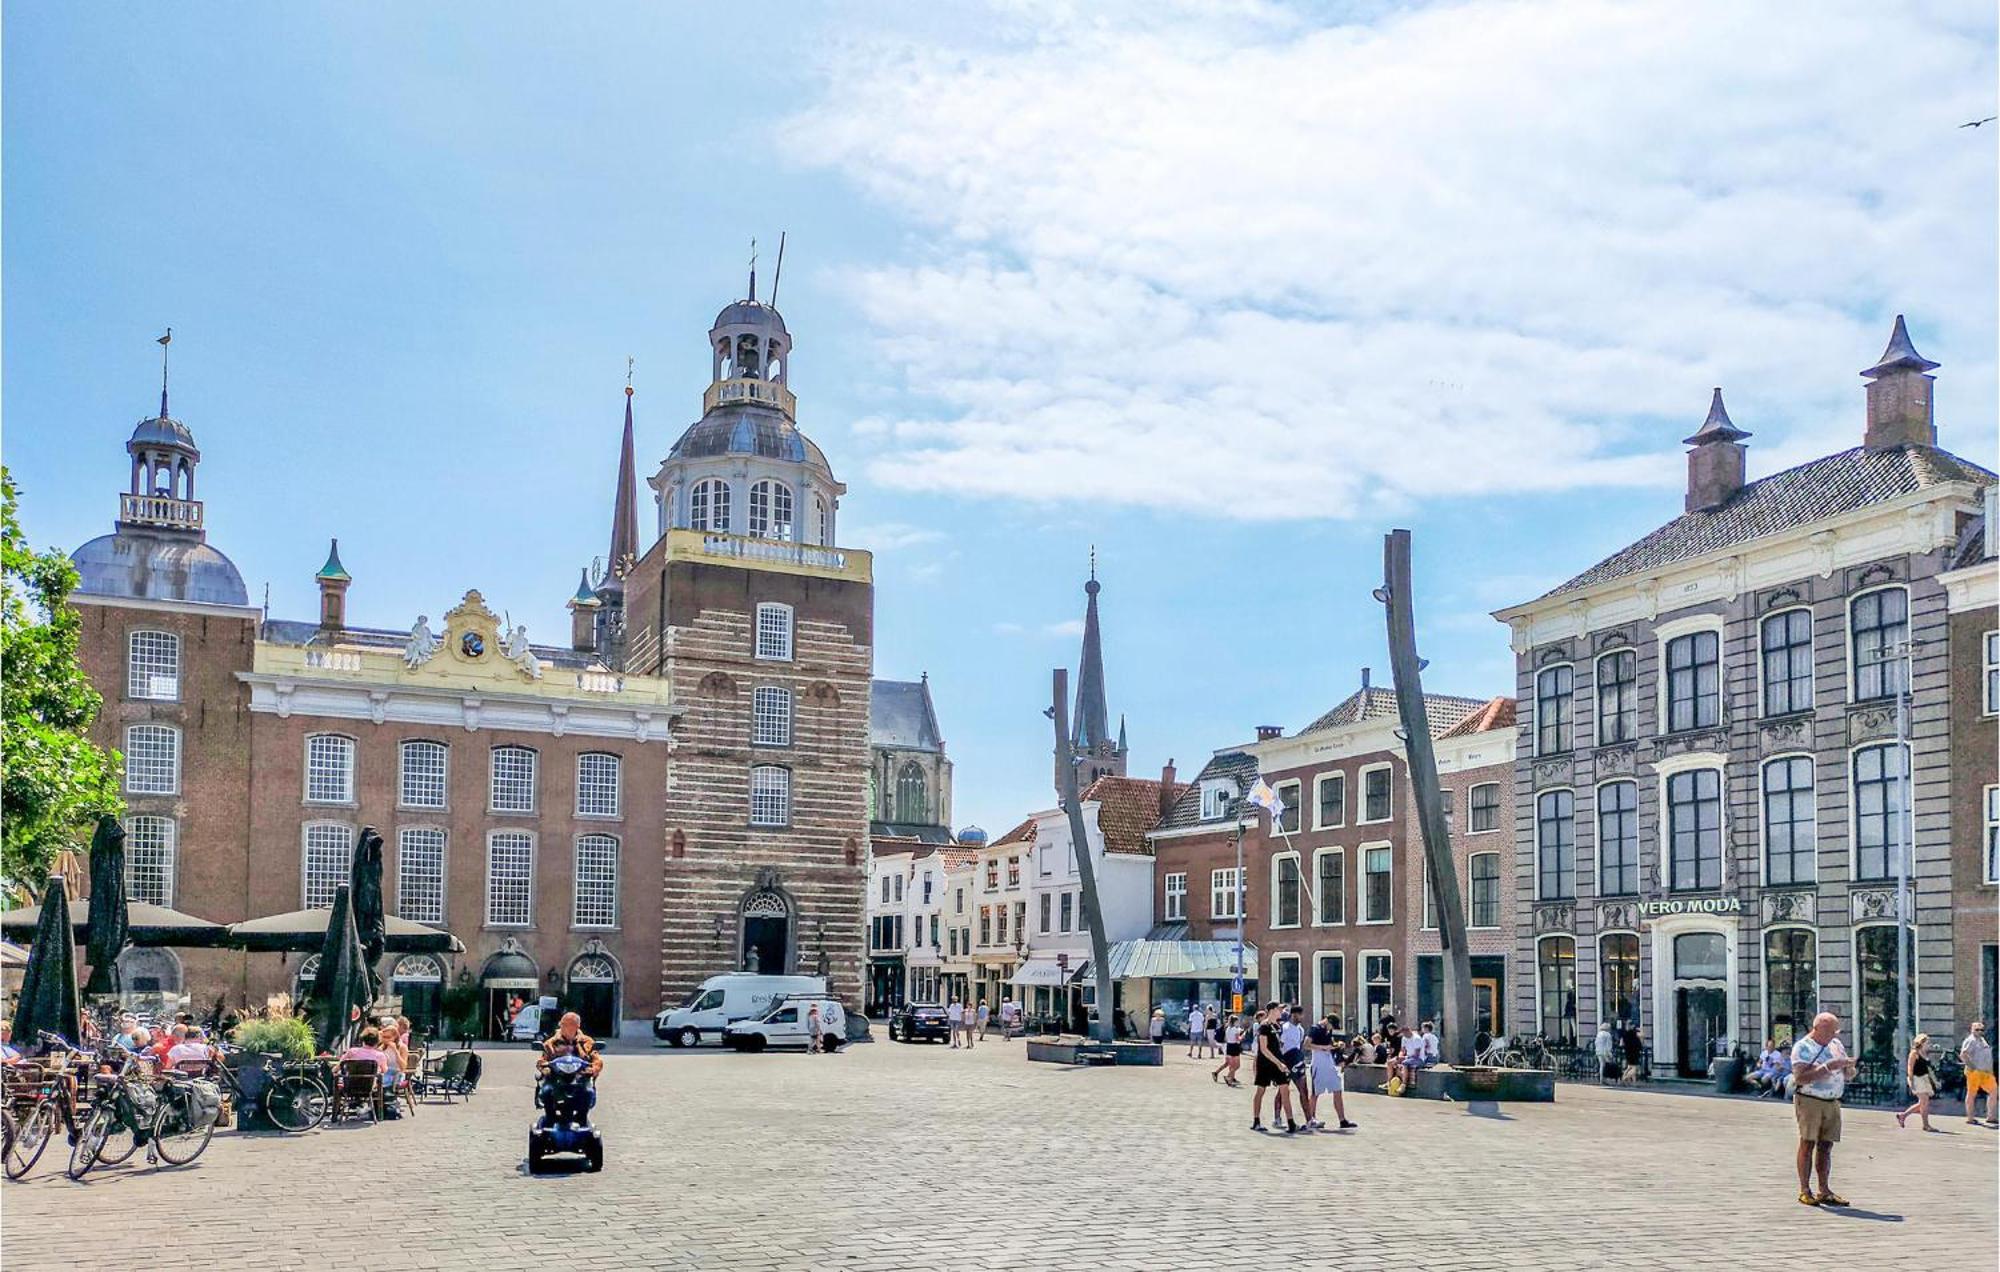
[(766, 914), (509, 979), (151, 980), (418, 979), (302, 981), (594, 990)]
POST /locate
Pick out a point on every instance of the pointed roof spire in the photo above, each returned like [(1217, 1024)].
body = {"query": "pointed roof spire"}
[(1900, 353), (586, 597), (1717, 427), (163, 342), (624, 504), (753, 270), (333, 571), (1121, 730), (1093, 724)]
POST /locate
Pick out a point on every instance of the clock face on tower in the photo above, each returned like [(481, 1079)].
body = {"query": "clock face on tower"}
[(472, 644)]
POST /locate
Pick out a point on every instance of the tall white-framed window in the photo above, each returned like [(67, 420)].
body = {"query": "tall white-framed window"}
[(1175, 905), (152, 760), (1286, 903), (1878, 623), (708, 505), (510, 878), (820, 525), (1377, 897), (1329, 801), (1224, 894), (422, 774), (1330, 887), (1694, 830), (153, 666), (327, 858), (774, 632), (770, 795), (771, 717), (1330, 985), (1785, 649), (1483, 890), (420, 874), (329, 769), (1617, 677), (1285, 978), (771, 510), (1482, 805), (1377, 985), (599, 784), (512, 783), (149, 859), (596, 882), (1791, 844), (1694, 681), (1992, 839), (1555, 845), (1990, 643), (1878, 773), (1618, 839), (1377, 796), (1555, 730), (1288, 800), (1430, 914)]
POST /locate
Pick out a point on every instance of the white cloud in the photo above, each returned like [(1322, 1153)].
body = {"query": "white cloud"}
[(1467, 248), (888, 536), (1070, 627)]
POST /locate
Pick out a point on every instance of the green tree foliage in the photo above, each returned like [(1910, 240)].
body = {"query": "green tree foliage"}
[(54, 781)]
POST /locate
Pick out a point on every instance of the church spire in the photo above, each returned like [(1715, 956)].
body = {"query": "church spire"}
[(624, 504), (1093, 722)]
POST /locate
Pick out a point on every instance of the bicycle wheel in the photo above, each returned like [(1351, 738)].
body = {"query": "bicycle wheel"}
[(83, 1154), (296, 1103), (119, 1142), (174, 1139), (30, 1138)]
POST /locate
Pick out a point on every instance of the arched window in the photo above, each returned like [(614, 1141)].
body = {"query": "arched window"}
[(596, 882), (708, 505), (152, 760), (911, 804), (771, 510), (148, 972), (149, 859), (153, 666), (303, 982)]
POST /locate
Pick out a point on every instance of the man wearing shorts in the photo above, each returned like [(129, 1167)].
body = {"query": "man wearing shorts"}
[(1271, 1072), (1820, 1069), (1976, 1054)]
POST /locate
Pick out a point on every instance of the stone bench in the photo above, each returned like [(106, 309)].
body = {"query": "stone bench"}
[(1084, 1051), (1532, 1086)]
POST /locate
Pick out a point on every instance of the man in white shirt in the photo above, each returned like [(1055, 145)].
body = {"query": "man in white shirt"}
[(954, 1018), (1820, 1069), (1197, 1027), (1432, 1048), (1976, 1054)]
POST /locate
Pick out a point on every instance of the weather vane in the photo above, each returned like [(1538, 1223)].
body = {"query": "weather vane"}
[(628, 375), (163, 342)]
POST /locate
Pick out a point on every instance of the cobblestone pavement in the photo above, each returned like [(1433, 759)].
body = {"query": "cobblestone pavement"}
[(893, 1156)]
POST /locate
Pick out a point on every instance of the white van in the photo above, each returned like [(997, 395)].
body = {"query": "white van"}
[(722, 999), (787, 1025)]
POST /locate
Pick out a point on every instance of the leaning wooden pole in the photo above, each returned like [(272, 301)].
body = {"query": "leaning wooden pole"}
[(1459, 1018), (1104, 1029)]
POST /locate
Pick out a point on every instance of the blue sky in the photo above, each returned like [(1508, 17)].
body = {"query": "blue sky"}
[(1226, 291)]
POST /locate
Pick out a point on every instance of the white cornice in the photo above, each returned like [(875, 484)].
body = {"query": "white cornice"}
[(1972, 588), (1921, 521), (169, 607), (286, 696)]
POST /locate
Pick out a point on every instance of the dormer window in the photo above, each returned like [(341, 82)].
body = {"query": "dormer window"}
[(1217, 799)]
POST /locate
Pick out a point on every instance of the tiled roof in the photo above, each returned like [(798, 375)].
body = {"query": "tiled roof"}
[(1374, 703), (1498, 713), (958, 858), (895, 845), (1973, 546), (1236, 766), (900, 715), (1825, 487), (880, 830), (1127, 807), (1023, 833)]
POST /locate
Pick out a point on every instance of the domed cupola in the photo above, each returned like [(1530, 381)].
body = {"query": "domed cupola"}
[(744, 468)]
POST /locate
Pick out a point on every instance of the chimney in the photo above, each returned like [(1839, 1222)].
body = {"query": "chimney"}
[(1899, 396), (1715, 465), (1270, 732), (333, 580), (1167, 788), (583, 610)]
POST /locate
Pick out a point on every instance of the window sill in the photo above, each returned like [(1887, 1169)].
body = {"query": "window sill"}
[(308, 803), (505, 927), (593, 927), (422, 808), (1285, 927), (1374, 922), (512, 812), (601, 817), (1329, 923)]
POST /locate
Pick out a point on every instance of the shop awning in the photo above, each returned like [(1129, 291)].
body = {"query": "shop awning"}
[(1038, 971), (1177, 960)]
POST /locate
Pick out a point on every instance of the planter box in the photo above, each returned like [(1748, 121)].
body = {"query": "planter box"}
[(1085, 1052), (1526, 1086)]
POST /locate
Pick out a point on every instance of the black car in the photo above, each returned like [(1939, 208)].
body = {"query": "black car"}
[(919, 1020)]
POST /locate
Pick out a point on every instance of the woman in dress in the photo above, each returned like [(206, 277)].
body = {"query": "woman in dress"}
[(1922, 1078)]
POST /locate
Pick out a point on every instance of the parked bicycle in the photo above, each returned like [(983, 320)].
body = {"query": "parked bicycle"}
[(47, 1094), (175, 1121), (295, 1100)]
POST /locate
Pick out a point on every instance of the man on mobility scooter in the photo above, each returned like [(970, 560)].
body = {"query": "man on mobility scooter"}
[(566, 1090)]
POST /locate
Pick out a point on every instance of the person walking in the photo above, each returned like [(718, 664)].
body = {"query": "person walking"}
[(1197, 1027), (1820, 1069), (1272, 1072), (1922, 1081), (1232, 1053), (954, 1020), (1635, 1054), (1326, 1082), (1156, 1026), (985, 1019), (1976, 1054), (1607, 1064), (813, 1030)]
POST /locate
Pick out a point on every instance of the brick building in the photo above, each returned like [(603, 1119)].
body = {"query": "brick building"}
[(1711, 773), (679, 790), (1972, 593)]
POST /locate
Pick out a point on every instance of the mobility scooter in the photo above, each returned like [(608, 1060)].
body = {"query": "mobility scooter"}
[(564, 1127)]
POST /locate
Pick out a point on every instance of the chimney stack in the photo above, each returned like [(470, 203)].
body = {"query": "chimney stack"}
[(1715, 465), (333, 580), (1167, 788), (1270, 732), (1899, 396), (583, 610)]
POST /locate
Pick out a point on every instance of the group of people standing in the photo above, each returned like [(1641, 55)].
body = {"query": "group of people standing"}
[(966, 1022), (1297, 1063)]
